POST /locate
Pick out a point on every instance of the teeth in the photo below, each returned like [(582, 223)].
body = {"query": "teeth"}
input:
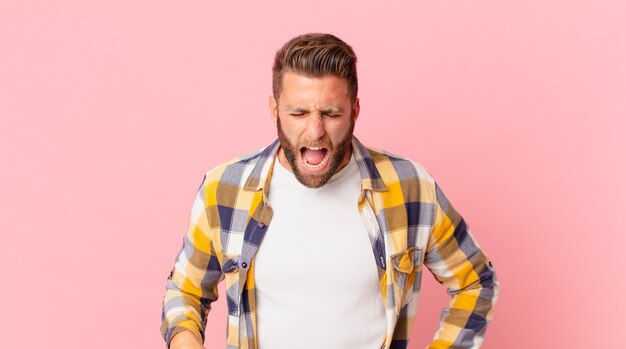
[(314, 148), (313, 167)]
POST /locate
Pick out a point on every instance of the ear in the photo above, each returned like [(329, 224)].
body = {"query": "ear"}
[(356, 108), (273, 108)]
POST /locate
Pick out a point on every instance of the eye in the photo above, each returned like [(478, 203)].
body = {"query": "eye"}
[(332, 115), (299, 113)]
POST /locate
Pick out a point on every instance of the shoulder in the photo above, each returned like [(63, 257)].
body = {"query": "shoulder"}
[(393, 167), (402, 179), (238, 169), (236, 164)]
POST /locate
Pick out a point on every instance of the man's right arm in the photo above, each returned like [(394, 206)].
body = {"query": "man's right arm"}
[(192, 285)]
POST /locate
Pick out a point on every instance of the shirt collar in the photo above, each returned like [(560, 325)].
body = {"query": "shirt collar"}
[(261, 175), (370, 177)]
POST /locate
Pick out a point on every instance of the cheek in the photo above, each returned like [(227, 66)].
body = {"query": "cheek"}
[(338, 132), (297, 129), (290, 129)]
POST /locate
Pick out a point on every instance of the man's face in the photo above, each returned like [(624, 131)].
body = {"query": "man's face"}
[(315, 121)]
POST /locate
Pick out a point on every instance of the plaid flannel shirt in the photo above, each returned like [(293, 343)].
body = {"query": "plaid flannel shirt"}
[(410, 224)]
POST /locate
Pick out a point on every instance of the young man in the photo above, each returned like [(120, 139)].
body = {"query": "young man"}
[(321, 240)]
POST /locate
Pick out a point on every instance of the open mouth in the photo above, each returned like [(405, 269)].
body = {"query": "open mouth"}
[(314, 158)]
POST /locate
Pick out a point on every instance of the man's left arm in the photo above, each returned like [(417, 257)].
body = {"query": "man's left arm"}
[(456, 260)]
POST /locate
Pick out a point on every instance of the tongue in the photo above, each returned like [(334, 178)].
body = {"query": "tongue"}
[(313, 157)]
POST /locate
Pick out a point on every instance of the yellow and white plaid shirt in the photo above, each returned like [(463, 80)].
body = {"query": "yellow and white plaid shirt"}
[(410, 224)]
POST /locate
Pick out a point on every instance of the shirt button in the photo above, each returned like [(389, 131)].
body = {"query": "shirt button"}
[(244, 265), (260, 225)]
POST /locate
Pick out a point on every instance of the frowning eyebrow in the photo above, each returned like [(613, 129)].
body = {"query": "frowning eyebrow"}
[(292, 108), (325, 110)]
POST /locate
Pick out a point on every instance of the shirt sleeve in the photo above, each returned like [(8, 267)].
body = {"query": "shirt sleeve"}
[(456, 260), (192, 284)]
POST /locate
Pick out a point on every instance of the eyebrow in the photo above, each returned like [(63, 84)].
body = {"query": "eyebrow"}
[(330, 110), (296, 109)]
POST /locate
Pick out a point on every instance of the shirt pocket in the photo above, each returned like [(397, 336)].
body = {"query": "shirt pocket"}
[(405, 264)]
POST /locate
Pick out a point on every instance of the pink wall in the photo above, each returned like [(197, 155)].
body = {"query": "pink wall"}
[(111, 111)]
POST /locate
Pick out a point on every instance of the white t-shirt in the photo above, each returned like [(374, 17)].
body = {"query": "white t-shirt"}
[(316, 279)]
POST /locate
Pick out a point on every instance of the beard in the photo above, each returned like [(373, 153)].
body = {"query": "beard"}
[(338, 153)]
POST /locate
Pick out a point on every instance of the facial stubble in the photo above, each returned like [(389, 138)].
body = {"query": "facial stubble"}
[(315, 180)]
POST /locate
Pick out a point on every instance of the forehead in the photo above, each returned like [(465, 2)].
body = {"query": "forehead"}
[(328, 89)]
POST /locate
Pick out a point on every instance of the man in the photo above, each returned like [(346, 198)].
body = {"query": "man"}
[(322, 240)]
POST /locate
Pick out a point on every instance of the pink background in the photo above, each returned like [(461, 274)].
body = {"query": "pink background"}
[(111, 112)]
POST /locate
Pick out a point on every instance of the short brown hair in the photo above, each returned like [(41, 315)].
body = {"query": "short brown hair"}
[(316, 55)]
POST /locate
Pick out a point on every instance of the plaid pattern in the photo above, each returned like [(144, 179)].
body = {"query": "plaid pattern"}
[(410, 224)]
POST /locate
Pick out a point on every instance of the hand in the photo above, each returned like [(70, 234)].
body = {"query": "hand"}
[(185, 340)]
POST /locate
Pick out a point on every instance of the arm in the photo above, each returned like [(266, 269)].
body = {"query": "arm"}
[(456, 261), (192, 285)]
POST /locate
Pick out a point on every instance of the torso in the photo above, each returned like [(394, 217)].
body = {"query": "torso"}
[(316, 278)]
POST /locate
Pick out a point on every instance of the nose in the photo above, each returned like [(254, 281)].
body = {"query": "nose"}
[(315, 127)]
